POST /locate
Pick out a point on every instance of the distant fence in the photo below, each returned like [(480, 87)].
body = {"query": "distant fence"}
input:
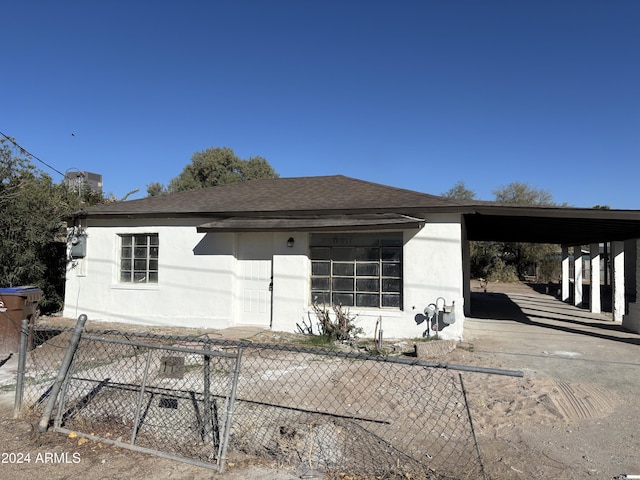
[(204, 400)]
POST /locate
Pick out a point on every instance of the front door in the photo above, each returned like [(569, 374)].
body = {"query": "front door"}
[(255, 255)]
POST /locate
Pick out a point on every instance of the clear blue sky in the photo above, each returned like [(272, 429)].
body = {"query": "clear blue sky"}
[(413, 94)]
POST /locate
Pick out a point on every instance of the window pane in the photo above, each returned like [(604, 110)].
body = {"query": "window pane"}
[(368, 300), (140, 240), (126, 241), (320, 283), (368, 269), (126, 252), (344, 299), (321, 298), (153, 265), (140, 265), (391, 269), (342, 254), (391, 285), (391, 254), (139, 277), (153, 240), (391, 301), (125, 264), (368, 285), (343, 269), (342, 284), (320, 268), (153, 252), (319, 253), (125, 276), (366, 254), (153, 277)]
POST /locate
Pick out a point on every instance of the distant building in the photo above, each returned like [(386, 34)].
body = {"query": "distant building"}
[(80, 180)]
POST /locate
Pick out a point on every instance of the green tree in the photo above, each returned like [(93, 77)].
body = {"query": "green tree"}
[(510, 261), (156, 188), (484, 256), (525, 259), (33, 239), (460, 192), (212, 167), (522, 194)]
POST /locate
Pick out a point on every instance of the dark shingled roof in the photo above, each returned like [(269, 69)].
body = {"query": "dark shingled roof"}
[(339, 202), (335, 193)]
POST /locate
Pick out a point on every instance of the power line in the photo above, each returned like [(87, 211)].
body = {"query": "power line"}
[(25, 152)]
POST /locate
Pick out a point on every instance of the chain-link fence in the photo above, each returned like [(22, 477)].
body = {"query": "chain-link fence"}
[(203, 400)]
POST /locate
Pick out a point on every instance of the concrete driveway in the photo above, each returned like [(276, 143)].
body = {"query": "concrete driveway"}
[(576, 412), (536, 332)]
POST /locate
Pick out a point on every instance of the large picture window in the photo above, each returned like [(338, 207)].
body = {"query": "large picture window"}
[(139, 258), (357, 270)]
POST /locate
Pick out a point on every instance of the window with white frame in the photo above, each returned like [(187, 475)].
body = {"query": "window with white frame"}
[(139, 258), (357, 270)]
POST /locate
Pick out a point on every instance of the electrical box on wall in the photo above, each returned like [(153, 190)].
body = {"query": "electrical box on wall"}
[(78, 246)]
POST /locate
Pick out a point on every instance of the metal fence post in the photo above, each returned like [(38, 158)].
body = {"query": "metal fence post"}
[(22, 362), (207, 431), (62, 373), (143, 386), (222, 457), (473, 432)]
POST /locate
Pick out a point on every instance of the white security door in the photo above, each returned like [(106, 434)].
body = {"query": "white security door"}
[(255, 256)]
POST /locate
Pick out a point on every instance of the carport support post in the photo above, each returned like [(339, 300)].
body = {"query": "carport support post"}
[(577, 276), (565, 273), (594, 293), (617, 277)]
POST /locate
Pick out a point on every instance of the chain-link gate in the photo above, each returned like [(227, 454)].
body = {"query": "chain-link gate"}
[(182, 396), (173, 400), (193, 399)]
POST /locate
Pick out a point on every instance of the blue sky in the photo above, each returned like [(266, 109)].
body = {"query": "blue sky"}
[(413, 94)]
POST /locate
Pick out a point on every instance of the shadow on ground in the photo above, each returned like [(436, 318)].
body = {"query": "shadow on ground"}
[(535, 306)]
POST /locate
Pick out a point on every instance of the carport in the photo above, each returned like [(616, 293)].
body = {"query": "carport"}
[(572, 228)]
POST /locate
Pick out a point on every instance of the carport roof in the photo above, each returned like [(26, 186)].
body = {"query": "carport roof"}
[(337, 201), (561, 225)]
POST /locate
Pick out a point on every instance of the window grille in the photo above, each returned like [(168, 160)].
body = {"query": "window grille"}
[(139, 258), (357, 270)]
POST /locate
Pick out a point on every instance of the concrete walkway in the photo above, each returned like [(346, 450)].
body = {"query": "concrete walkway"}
[(238, 333)]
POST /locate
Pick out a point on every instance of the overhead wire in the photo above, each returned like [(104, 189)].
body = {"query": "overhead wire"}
[(25, 152)]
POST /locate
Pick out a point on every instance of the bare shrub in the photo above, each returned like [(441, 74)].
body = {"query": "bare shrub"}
[(336, 324)]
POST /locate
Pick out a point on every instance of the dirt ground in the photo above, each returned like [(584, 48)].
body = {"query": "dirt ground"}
[(575, 414)]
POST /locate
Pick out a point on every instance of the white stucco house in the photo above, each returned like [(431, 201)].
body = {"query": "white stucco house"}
[(261, 252)]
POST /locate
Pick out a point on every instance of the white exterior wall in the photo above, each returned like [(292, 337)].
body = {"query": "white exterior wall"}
[(631, 321), (200, 274), (193, 290), (433, 268)]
